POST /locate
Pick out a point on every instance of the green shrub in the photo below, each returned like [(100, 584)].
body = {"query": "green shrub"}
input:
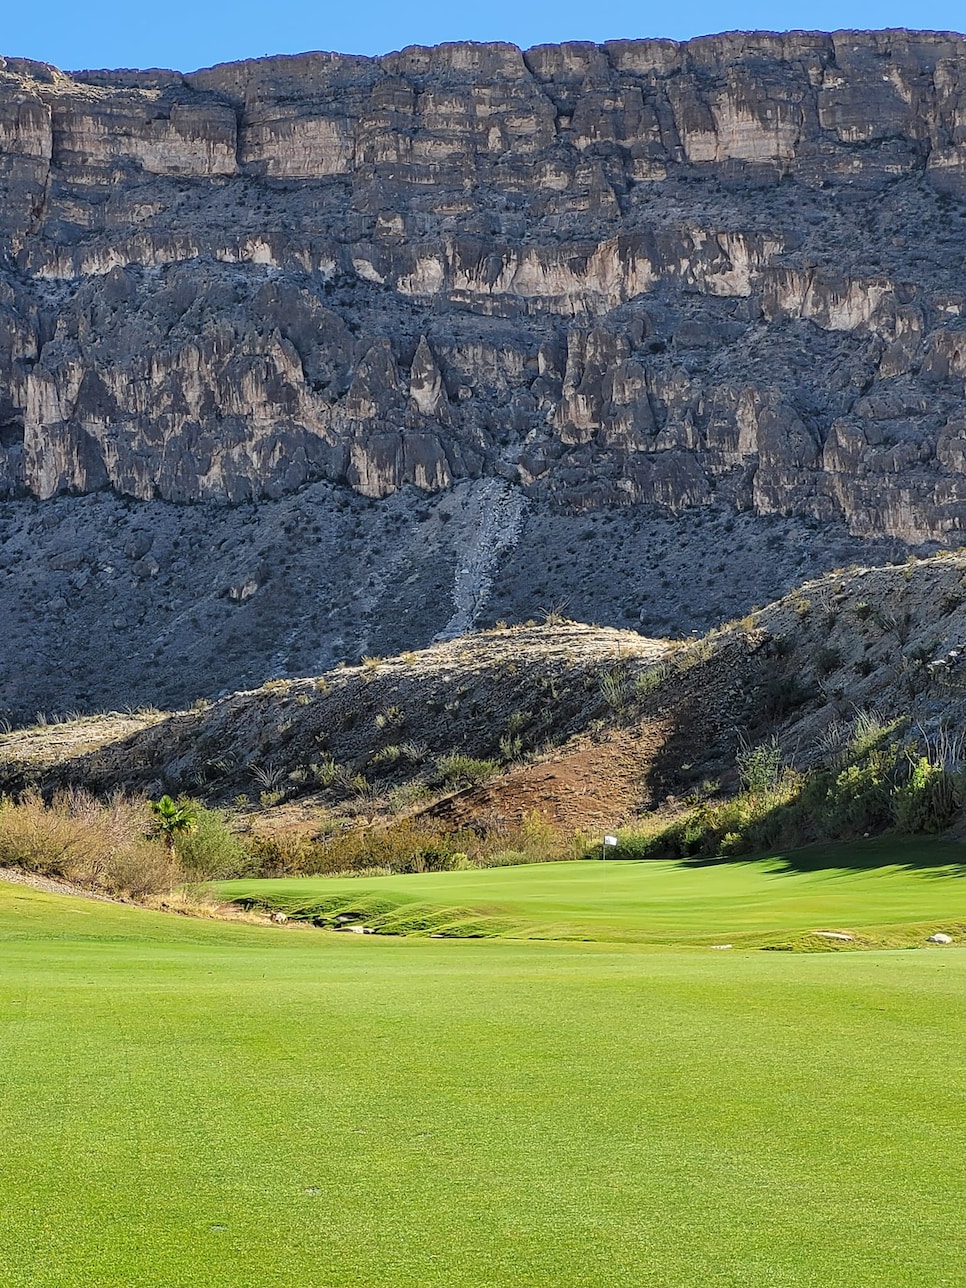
[(615, 687), (859, 799), (456, 770), (869, 783), (930, 800), (760, 767), (869, 731), (650, 680), (213, 852)]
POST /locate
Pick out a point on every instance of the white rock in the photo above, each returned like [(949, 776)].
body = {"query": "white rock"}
[(722, 945), (940, 938)]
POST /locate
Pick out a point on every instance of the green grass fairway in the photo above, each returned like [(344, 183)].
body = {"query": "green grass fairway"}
[(888, 892), (192, 1104)]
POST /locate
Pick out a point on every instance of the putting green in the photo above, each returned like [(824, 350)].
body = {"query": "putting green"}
[(886, 891), (206, 1105)]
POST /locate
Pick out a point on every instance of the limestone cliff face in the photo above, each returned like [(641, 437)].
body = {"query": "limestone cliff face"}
[(646, 272)]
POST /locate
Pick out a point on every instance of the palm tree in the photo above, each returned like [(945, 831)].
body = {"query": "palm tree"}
[(171, 818)]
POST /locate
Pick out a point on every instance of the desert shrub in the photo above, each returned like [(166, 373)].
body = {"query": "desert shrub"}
[(779, 695), (651, 679), (325, 771), (139, 869), (407, 795), (501, 859), (101, 845), (275, 686), (615, 687), (408, 845), (436, 859), (405, 846), (279, 855), (760, 767), (456, 770), (392, 718), (542, 841), (846, 742), (36, 839), (212, 851), (693, 653), (268, 777), (929, 800)]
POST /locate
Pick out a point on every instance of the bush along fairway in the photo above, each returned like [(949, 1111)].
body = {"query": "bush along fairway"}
[(885, 892), (216, 1105)]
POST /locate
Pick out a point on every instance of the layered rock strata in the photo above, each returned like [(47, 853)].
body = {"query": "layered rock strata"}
[(727, 271)]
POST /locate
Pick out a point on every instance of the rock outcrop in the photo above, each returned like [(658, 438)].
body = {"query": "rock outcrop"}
[(727, 271)]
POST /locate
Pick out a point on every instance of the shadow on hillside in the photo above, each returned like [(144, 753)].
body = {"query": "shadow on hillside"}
[(739, 691), (749, 694)]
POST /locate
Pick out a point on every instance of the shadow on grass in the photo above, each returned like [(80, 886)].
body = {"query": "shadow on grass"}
[(930, 856)]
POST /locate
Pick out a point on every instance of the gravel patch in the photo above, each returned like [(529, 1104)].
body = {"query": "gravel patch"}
[(51, 886)]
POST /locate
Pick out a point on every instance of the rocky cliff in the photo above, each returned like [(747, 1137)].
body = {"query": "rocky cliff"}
[(723, 272), (310, 357)]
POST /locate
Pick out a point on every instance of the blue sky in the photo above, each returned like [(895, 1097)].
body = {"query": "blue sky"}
[(186, 34)]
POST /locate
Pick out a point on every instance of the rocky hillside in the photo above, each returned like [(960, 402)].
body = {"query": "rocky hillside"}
[(435, 720), (109, 603), (586, 726), (515, 292)]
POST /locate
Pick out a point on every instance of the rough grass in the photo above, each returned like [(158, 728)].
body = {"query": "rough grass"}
[(887, 892), (223, 1106)]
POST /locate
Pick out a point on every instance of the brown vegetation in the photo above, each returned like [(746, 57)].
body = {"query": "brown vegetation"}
[(102, 846)]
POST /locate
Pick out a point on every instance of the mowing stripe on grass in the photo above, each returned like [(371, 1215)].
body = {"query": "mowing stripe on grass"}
[(219, 1106), (885, 893)]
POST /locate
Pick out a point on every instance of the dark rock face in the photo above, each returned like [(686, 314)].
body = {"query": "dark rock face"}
[(307, 357), (642, 273)]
